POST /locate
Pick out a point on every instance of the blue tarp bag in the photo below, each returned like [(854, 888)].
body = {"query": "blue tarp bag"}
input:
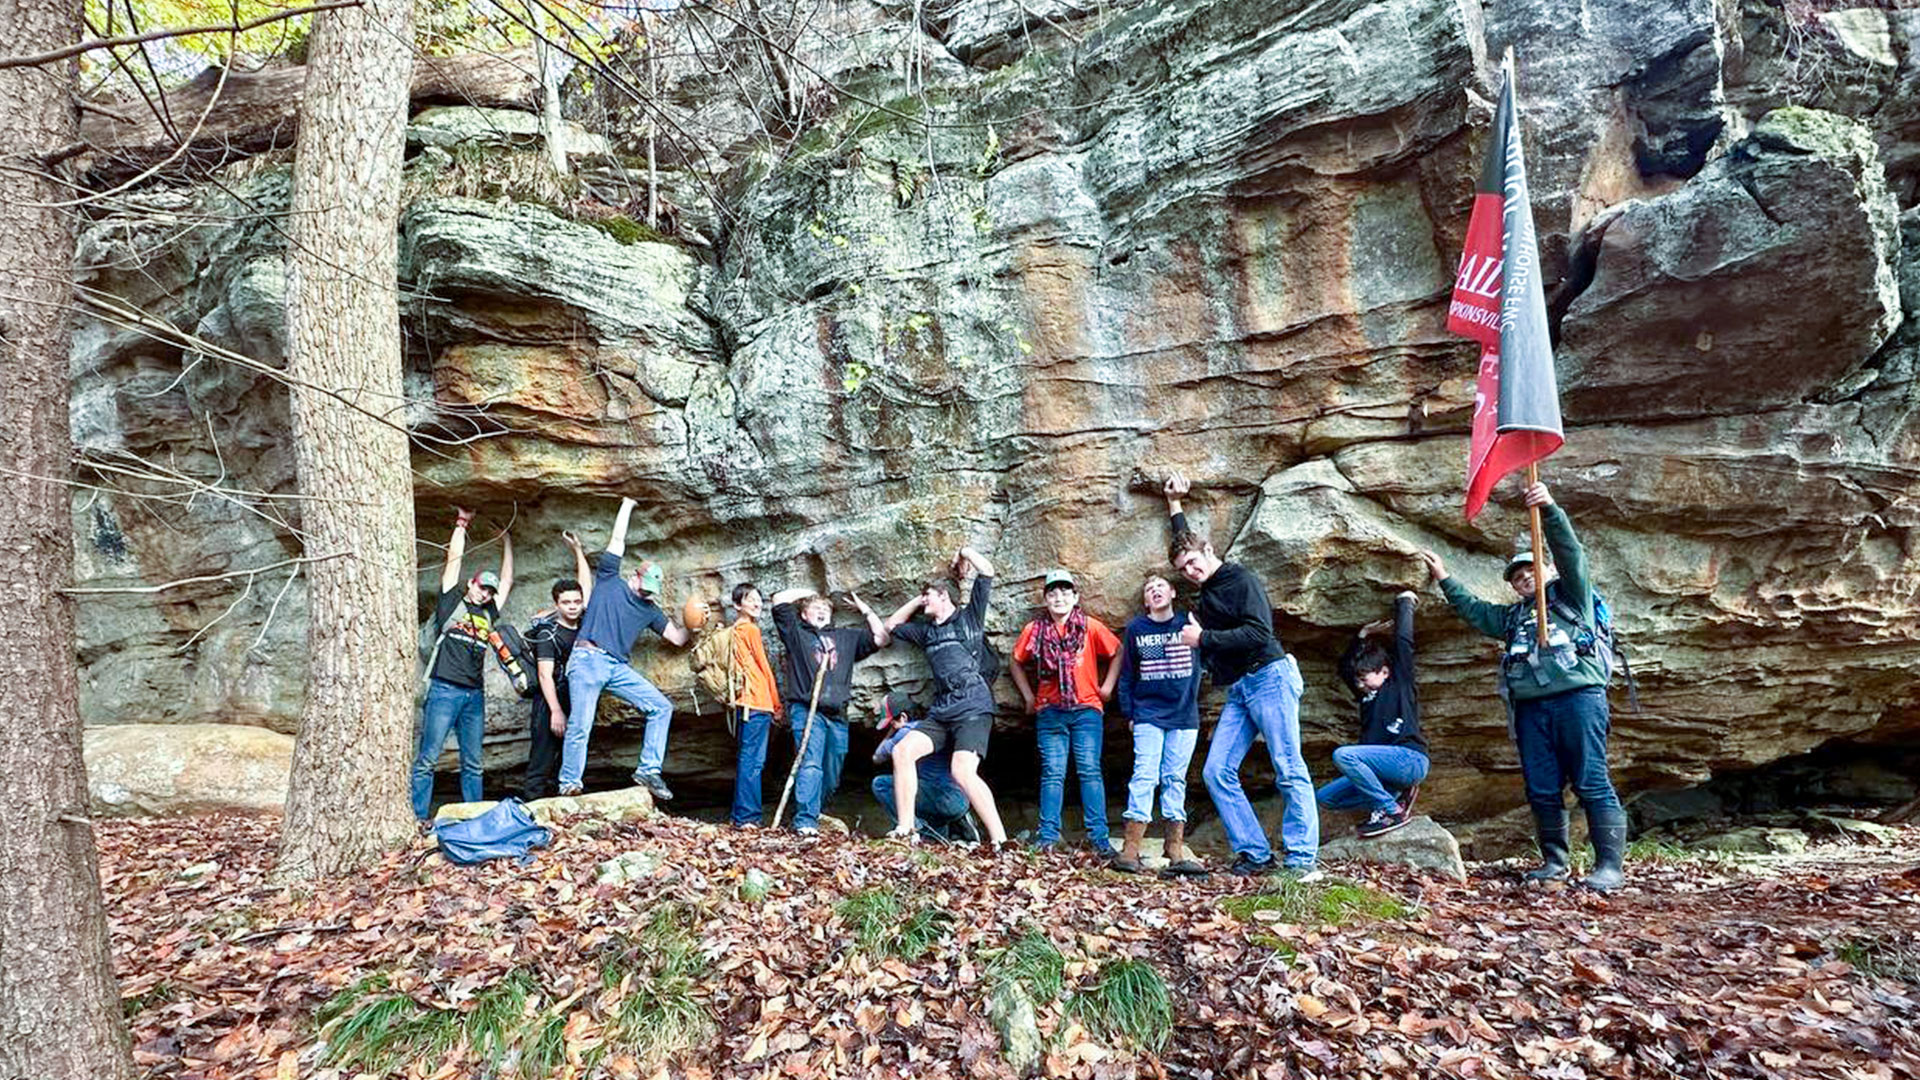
[(505, 832)]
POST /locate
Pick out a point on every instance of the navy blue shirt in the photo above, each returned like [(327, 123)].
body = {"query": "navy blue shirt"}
[(615, 616), (1159, 676)]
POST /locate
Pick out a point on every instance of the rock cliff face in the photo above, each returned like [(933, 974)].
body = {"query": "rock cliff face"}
[(1032, 258)]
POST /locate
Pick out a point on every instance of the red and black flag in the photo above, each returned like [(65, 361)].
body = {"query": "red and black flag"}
[(1499, 302)]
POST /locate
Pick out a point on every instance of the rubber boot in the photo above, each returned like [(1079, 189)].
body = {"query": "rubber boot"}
[(1180, 861), (1608, 830), (1129, 860), (1552, 826)]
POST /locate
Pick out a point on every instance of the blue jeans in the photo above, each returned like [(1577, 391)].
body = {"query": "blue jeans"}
[(464, 710), (1264, 703), (819, 774), (748, 804), (1160, 758), (937, 803), (1077, 733), (1563, 740), (1370, 774), (589, 671)]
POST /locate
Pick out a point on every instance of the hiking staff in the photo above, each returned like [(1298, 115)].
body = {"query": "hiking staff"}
[(800, 755), (1539, 550)]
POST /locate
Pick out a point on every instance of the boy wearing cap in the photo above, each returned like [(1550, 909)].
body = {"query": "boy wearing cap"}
[(809, 642), (939, 806), (617, 612), (1068, 648), (1558, 693), (456, 667)]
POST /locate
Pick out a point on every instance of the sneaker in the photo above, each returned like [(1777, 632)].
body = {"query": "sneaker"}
[(808, 830), (1304, 873), (568, 791), (1406, 800), (655, 786), (1247, 867), (1382, 822)]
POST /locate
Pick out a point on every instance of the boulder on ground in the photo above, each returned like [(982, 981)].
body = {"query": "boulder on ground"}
[(1421, 843), (620, 804), (1757, 840), (139, 770)]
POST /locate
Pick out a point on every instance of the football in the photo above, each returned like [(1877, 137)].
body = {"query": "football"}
[(694, 614)]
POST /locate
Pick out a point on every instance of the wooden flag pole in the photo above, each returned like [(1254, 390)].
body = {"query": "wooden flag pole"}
[(1539, 553)]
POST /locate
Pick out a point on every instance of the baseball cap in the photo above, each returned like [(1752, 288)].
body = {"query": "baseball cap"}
[(487, 579), (1057, 579), (1521, 560), (652, 578)]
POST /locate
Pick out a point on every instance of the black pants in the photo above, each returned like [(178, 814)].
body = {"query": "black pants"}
[(543, 755)]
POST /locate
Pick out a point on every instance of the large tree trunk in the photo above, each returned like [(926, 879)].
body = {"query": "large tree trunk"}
[(59, 1006), (347, 800)]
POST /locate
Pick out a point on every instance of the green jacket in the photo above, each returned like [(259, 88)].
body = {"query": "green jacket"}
[(1524, 668)]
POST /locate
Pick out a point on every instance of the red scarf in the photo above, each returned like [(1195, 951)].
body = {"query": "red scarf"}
[(1059, 648)]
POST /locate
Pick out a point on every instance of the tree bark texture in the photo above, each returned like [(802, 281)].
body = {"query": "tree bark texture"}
[(59, 1005), (347, 796)]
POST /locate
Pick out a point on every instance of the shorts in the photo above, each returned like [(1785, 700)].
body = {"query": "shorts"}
[(967, 732)]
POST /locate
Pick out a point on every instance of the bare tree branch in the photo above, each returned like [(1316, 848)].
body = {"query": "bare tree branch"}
[(249, 574), (51, 55)]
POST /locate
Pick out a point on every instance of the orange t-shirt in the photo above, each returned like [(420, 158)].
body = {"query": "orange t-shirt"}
[(1100, 645), (750, 666)]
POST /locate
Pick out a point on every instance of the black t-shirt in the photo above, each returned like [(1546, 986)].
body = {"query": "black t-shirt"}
[(554, 641), (952, 649), (1237, 621), (1390, 716), (463, 652), (803, 649)]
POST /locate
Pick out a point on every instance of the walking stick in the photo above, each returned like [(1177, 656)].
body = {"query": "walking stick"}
[(800, 755), (1539, 567)]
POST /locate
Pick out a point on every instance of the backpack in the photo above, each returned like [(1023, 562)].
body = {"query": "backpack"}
[(505, 832), (1598, 640), (508, 646), (712, 662), (987, 657), (524, 670)]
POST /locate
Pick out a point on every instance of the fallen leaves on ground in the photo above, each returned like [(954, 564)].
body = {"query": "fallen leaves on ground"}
[(1696, 970)]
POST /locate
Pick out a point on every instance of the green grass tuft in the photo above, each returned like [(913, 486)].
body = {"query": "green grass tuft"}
[(161, 993), (1033, 963), (659, 1015), (369, 1028), (1289, 953), (1316, 903), (376, 1031), (498, 1012), (881, 926), (543, 1046), (924, 929), (1130, 1003), (1881, 957)]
